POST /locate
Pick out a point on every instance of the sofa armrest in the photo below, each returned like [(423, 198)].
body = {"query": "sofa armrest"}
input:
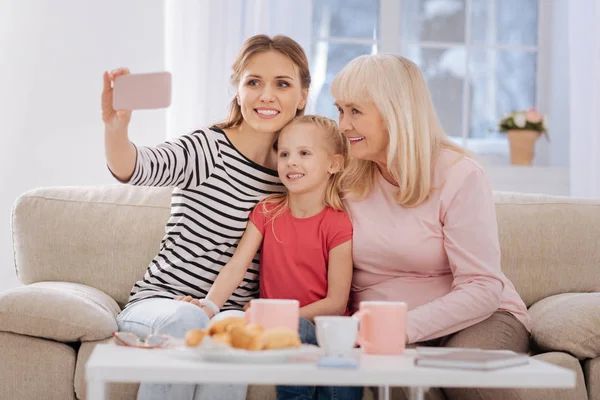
[(61, 311), (568, 322)]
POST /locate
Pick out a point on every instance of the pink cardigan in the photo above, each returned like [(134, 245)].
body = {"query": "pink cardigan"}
[(442, 258)]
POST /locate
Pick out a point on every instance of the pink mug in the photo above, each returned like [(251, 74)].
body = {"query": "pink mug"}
[(382, 326), (274, 313)]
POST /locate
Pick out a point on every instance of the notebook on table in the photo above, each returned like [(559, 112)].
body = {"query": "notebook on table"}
[(473, 359)]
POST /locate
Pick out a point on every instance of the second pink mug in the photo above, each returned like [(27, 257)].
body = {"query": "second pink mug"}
[(274, 313), (382, 326)]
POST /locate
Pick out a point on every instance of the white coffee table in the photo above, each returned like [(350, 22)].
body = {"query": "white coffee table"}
[(111, 363)]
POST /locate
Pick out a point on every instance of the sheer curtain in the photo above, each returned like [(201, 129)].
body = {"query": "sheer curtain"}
[(202, 38), (584, 45)]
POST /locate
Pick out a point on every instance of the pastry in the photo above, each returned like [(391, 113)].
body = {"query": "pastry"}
[(280, 338), (225, 325), (194, 337), (246, 338), (224, 338), (255, 328), (235, 333)]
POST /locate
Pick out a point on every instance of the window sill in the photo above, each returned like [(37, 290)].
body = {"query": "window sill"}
[(495, 146), (538, 180)]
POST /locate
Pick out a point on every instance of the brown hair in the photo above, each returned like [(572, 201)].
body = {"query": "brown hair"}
[(338, 144), (259, 44)]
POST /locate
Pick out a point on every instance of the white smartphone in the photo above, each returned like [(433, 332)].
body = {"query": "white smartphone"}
[(142, 91)]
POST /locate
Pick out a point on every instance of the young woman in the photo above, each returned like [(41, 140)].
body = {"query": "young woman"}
[(218, 174), (424, 218)]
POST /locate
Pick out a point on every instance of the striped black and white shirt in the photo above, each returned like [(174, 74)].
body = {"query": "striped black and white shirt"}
[(215, 189)]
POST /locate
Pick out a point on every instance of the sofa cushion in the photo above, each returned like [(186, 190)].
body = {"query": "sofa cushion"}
[(568, 322), (61, 311), (563, 360), (591, 370), (34, 368)]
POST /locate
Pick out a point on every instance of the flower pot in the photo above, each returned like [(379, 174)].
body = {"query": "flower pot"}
[(522, 145)]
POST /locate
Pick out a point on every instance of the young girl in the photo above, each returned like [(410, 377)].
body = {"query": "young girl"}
[(306, 235)]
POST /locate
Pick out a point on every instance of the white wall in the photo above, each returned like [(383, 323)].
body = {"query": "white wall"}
[(584, 104), (53, 54), (559, 81)]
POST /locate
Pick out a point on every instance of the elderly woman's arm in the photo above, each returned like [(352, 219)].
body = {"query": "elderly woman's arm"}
[(471, 242)]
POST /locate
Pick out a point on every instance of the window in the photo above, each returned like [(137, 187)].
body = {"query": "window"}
[(341, 31), (479, 57)]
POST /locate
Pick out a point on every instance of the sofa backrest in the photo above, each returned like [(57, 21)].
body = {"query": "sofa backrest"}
[(106, 236), (549, 244), (103, 236)]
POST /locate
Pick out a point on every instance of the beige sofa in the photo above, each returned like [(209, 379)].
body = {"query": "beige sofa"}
[(78, 251)]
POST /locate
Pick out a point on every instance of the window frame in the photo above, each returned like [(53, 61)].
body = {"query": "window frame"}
[(390, 41)]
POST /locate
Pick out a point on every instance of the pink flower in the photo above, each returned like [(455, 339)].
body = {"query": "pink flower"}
[(534, 116)]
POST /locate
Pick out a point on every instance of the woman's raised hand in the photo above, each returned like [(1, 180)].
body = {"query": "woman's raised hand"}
[(115, 121)]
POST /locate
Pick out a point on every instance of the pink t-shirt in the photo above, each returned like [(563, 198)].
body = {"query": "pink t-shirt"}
[(442, 258), (295, 252)]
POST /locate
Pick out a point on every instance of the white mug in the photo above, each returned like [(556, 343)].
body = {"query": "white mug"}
[(336, 335)]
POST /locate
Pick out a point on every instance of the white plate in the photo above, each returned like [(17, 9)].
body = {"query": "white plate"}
[(229, 355)]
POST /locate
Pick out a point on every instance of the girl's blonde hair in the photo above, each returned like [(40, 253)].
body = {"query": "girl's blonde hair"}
[(397, 88), (337, 144), (259, 44)]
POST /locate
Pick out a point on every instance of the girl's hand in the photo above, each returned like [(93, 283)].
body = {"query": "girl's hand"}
[(114, 121), (196, 302), (247, 306), (184, 298)]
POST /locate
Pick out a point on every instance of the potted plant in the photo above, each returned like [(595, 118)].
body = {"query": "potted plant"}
[(523, 128)]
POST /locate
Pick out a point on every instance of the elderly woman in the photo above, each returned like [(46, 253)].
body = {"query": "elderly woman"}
[(424, 219)]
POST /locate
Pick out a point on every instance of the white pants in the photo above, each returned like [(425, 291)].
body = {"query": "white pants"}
[(228, 314)]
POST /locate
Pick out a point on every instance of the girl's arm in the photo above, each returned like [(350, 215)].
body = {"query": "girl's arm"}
[(233, 272), (339, 278)]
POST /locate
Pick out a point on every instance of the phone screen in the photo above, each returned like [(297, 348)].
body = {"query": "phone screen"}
[(142, 91)]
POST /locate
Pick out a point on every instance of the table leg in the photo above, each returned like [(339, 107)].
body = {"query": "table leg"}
[(96, 390), (416, 393), (383, 393)]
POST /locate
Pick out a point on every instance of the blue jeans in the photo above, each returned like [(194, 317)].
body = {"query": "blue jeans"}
[(308, 335), (173, 318)]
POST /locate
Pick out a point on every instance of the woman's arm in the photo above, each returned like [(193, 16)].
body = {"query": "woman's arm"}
[(182, 162), (120, 152), (339, 278), (232, 274), (473, 249)]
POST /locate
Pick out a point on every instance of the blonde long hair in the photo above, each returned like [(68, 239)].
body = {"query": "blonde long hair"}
[(397, 88), (259, 44), (337, 144)]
